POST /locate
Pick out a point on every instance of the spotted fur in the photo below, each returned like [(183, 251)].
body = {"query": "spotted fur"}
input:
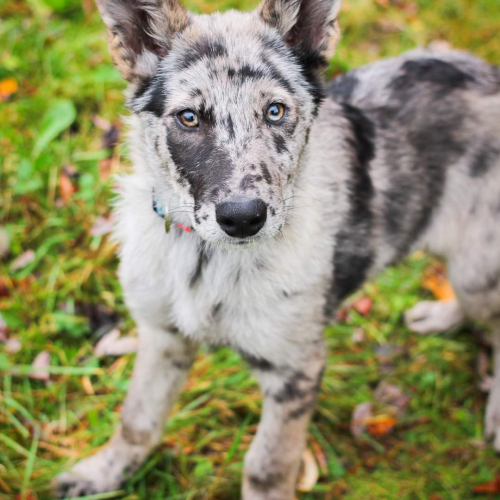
[(400, 154)]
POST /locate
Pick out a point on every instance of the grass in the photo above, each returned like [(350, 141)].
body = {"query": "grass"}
[(64, 298)]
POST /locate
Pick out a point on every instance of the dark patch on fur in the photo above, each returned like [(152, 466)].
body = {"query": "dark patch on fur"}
[(353, 254), (486, 157), (440, 73), (279, 143), (246, 72), (257, 363), (205, 48), (342, 88), (489, 284), (201, 164), (181, 365), (417, 166), (291, 389), (230, 127), (203, 259), (247, 182), (156, 102), (216, 309), (265, 483), (265, 173)]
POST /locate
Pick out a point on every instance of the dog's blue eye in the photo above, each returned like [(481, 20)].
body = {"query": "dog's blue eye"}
[(188, 118), (275, 112)]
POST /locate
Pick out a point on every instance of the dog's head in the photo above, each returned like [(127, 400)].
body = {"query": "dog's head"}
[(225, 103)]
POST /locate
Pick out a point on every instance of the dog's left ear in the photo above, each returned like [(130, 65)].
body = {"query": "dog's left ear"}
[(309, 27), (141, 32)]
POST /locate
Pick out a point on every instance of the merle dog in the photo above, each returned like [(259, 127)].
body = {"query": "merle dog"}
[(260, 199)]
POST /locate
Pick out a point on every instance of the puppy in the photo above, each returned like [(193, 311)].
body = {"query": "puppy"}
[(260, 199)]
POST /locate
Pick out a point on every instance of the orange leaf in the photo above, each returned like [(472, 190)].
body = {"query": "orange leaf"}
[(435, 280), (363, 305), (380, 426), (8, 86), (66, 188), (491, 487)]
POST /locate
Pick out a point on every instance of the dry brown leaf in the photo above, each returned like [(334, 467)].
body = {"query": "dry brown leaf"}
[(436, 281), (4, 288), (310, 472), (491, 487), (8, 87), (87, 385)]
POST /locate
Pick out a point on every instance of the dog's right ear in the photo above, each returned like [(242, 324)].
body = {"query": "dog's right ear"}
[(140, 33)]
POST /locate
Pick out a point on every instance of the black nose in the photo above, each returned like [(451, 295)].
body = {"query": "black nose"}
[(241, 217)]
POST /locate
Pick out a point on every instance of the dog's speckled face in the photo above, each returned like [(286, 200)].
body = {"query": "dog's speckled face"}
[(225, 102)]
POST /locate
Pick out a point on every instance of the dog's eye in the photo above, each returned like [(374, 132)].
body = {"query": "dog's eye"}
[(275, 112), (188, 118)]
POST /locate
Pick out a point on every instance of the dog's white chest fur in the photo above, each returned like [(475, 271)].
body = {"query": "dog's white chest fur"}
[(251, 299)]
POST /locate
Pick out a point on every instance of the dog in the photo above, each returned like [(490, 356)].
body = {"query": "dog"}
[(261, 198)]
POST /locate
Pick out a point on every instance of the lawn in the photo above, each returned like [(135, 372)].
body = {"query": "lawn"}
[(61, 105)]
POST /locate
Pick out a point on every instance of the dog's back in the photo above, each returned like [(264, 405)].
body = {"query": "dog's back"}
[(434, 121)]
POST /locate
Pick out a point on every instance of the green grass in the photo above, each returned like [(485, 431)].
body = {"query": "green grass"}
[(56, 52)]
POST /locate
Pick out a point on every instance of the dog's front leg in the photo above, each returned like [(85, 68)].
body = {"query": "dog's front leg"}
[(272, 464), (162, 364)]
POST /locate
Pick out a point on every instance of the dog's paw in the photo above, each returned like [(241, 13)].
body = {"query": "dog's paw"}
[(492, 420), (71, 485), (433, 317), (105, 471)]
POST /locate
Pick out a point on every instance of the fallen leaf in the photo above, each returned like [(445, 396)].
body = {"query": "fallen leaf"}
[(87, 385), (435, 281), (41, 361), (28, 495), (114, 345), (4, 243), (391, 395), (310, 473), (360, 416), (387, 352), (491, 487), (363, 305), (12, 346), (8, 87), (4, 288), (358, 335), (67, 183), (380, 425), (23, 260), (102, 226)]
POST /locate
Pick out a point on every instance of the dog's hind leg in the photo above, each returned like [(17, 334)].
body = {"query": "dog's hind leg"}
[(162, 364), (272, 464), (434, 316)]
